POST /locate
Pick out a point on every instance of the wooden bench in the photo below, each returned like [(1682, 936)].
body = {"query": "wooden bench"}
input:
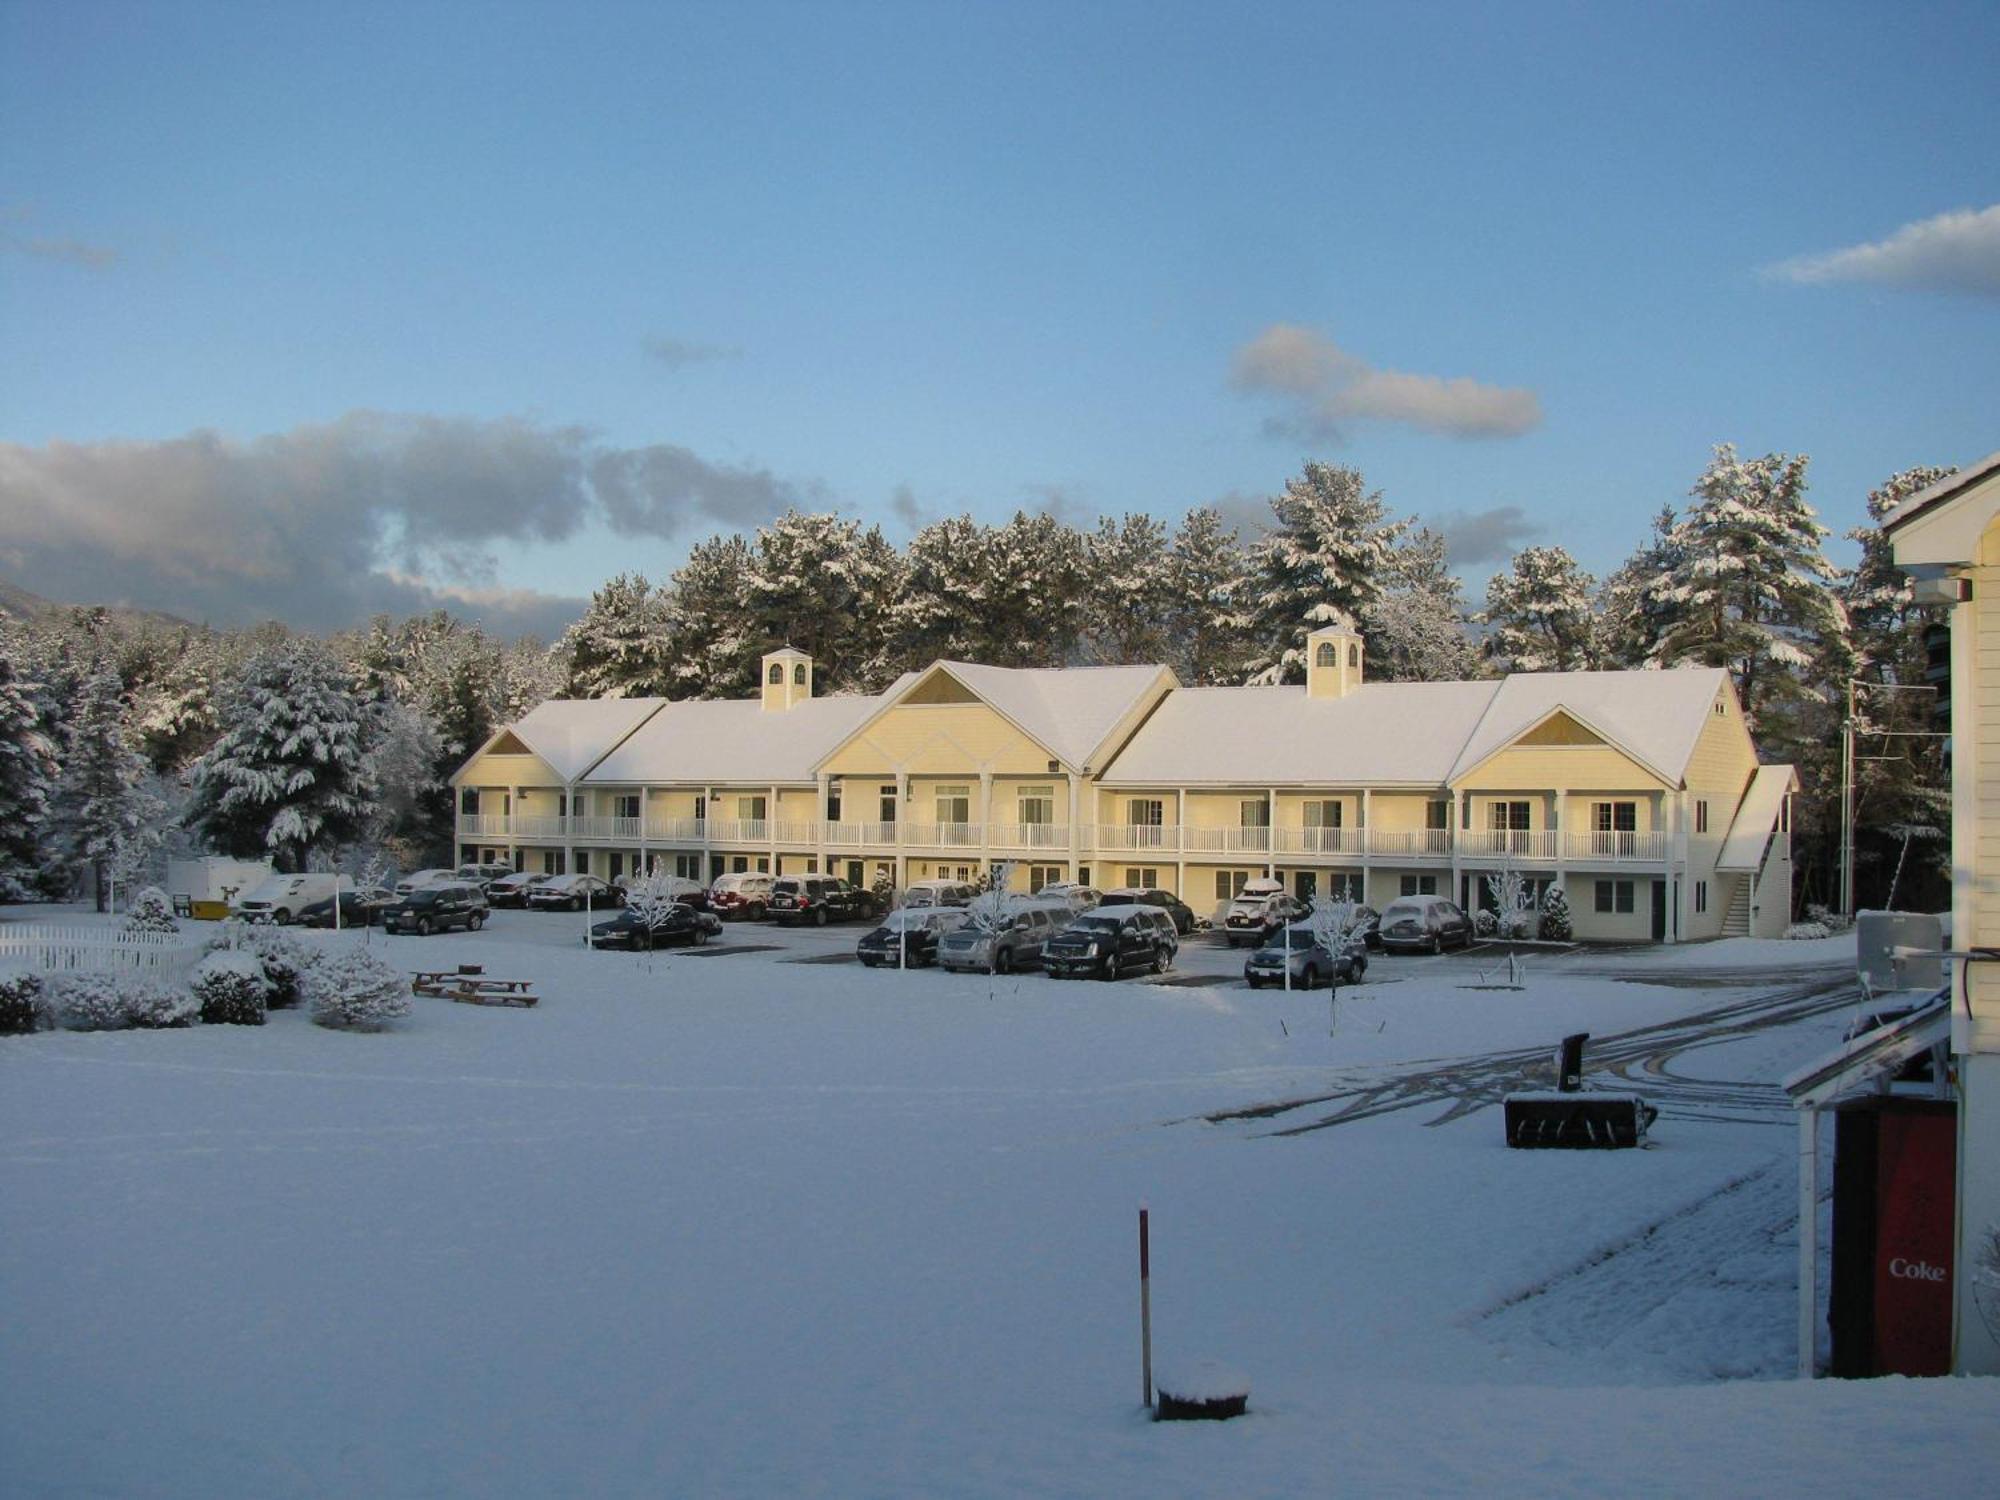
[(473, 988)]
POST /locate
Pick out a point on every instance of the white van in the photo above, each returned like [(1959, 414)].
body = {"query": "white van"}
[(428, 877), (280, 898), (206, 887)]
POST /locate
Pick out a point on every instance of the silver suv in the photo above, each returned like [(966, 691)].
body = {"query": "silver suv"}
[(1014, 942)]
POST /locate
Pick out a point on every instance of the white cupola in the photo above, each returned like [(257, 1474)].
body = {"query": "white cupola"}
[(787, 679), (1333, 659)]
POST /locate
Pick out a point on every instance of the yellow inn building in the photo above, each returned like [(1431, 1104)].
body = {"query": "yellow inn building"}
[(1640, 793)]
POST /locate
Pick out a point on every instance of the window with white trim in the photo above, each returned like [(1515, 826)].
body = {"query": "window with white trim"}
[(1419, 885), (1700, 896), (1615, 896)]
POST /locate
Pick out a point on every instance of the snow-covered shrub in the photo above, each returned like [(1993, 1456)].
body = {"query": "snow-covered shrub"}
[(156, 1004), (356, 991), (285, 956), (1513, 902), (1800, 932), (151, 911), (1832, 921), (24, 1002), (1556, 925), (1485, 923), (231, 988), (88, 1002)]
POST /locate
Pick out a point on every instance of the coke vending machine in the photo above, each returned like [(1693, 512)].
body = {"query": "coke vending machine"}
[(1889, 1307)]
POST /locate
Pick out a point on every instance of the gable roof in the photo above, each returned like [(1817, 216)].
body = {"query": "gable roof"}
[(735, 740), (1654, 717), (1068, 709), (1947, 488), (571, 734), (1382, 733)]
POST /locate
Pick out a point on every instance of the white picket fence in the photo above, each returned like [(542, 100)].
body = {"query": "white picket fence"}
[(50, 947)]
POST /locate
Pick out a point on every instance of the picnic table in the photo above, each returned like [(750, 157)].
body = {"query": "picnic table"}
[(469, 986)]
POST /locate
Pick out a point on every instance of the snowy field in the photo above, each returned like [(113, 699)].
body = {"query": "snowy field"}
[(733, 1223)]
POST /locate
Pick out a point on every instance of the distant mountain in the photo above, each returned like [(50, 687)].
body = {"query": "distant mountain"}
[(23, 605)]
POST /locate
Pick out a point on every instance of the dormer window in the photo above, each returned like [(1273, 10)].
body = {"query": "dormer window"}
[(799, 675), (1326, 657), (777, 675), (1353, 654)]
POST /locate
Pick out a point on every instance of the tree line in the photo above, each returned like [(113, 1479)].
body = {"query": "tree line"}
[(122, 737)]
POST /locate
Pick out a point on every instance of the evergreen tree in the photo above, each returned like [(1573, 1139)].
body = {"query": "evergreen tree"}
[(1324, 558), (28, 769), (291, 773), (1415, 629), (1206, 584), (102, 810), (619, 648), (821, 584), (1887, 623), (1539, 616), (1633, 616), (946, 605), (1750, 588), (713, 645), (1131, 591), (1037, 591)]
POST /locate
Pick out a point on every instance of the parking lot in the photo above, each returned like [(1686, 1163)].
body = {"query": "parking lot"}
[(1205, 958)]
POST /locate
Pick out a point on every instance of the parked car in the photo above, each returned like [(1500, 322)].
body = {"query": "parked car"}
[(1367, 924), (1075, 897), (819, 899), (1014, 941), (656, 927), (574, 892), (745, 893), (674, 887), (1428, 924), (512, 890), (281, 898), (436, 908), (361, 908), (909, 936), (1312, 962), (1109, 940), (1254, 918), (421, 878), (1167, 901), (483, 875), (939, 893)]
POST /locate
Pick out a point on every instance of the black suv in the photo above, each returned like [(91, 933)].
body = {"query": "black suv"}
[(819, 899), (1105, 943), (1167, 901), (434, 908)]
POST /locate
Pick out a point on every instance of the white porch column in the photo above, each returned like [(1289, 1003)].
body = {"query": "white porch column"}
[(822, 841), (1367, 822), (569, 828), (1457, 846), (1075, 823), (1180, 843), (771, 830), (707, 844), (1270, 833), (1808, 1243), (986, 820), (514, 854), (1677, 863), (902, 822)]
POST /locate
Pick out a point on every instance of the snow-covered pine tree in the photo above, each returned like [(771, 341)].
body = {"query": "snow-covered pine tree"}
[(712, 646), (1632, 615), (28, 770), (946, 598), (1206, 583), (151, 911), (619, 648), (1415, 629), (1750, 588), (1324, 556), (1038, 592), (291, 772), (1887, 623), (1131, 591), (173, 705), (102, 807), (820, 583), (1539, 614)]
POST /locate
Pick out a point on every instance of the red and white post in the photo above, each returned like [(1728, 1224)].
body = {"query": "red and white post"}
[(1145, 1310)]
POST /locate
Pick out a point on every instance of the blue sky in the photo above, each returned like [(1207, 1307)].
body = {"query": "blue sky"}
[(419, 273)]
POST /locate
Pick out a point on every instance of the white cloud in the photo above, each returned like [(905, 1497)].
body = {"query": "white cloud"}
[(1325, 390), (326, 524), (1954, 252)]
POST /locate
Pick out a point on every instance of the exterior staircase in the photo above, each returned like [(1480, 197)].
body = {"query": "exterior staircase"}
[(1736, 915)]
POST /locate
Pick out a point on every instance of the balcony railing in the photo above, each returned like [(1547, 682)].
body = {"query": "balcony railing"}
[(1028, 835), (1615, 847), (942, 835), (1119, 836), (484, 825), (540, 826), (599, 826), (1410, 843), (1226, 840), (739, 830), (1508, 843), (859, 835), (675, 830), (1319, 840)]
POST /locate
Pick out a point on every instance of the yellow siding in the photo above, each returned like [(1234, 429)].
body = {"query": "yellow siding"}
[(797, 806), (1216, 809), (1560, 729), (538, 803), (1650, 814), (676, 803), (508, 770), (1398, 812), (1291, 808), (953, 739), (1577, 768), (1718, 773)]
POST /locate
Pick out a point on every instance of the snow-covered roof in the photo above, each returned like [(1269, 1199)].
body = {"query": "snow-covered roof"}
[(1408, 733), (1654, 716), (1945, 488), (1756, 818), (734, 740), (1068, 709), (571, 733), (1381, 734)]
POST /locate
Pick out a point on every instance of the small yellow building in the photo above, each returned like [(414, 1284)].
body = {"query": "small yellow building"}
[(1637, 792)]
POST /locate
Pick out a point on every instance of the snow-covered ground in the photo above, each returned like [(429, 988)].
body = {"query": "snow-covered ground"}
[(735, 1224)]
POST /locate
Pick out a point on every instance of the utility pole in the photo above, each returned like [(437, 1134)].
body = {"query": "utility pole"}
[(1849, 760)]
